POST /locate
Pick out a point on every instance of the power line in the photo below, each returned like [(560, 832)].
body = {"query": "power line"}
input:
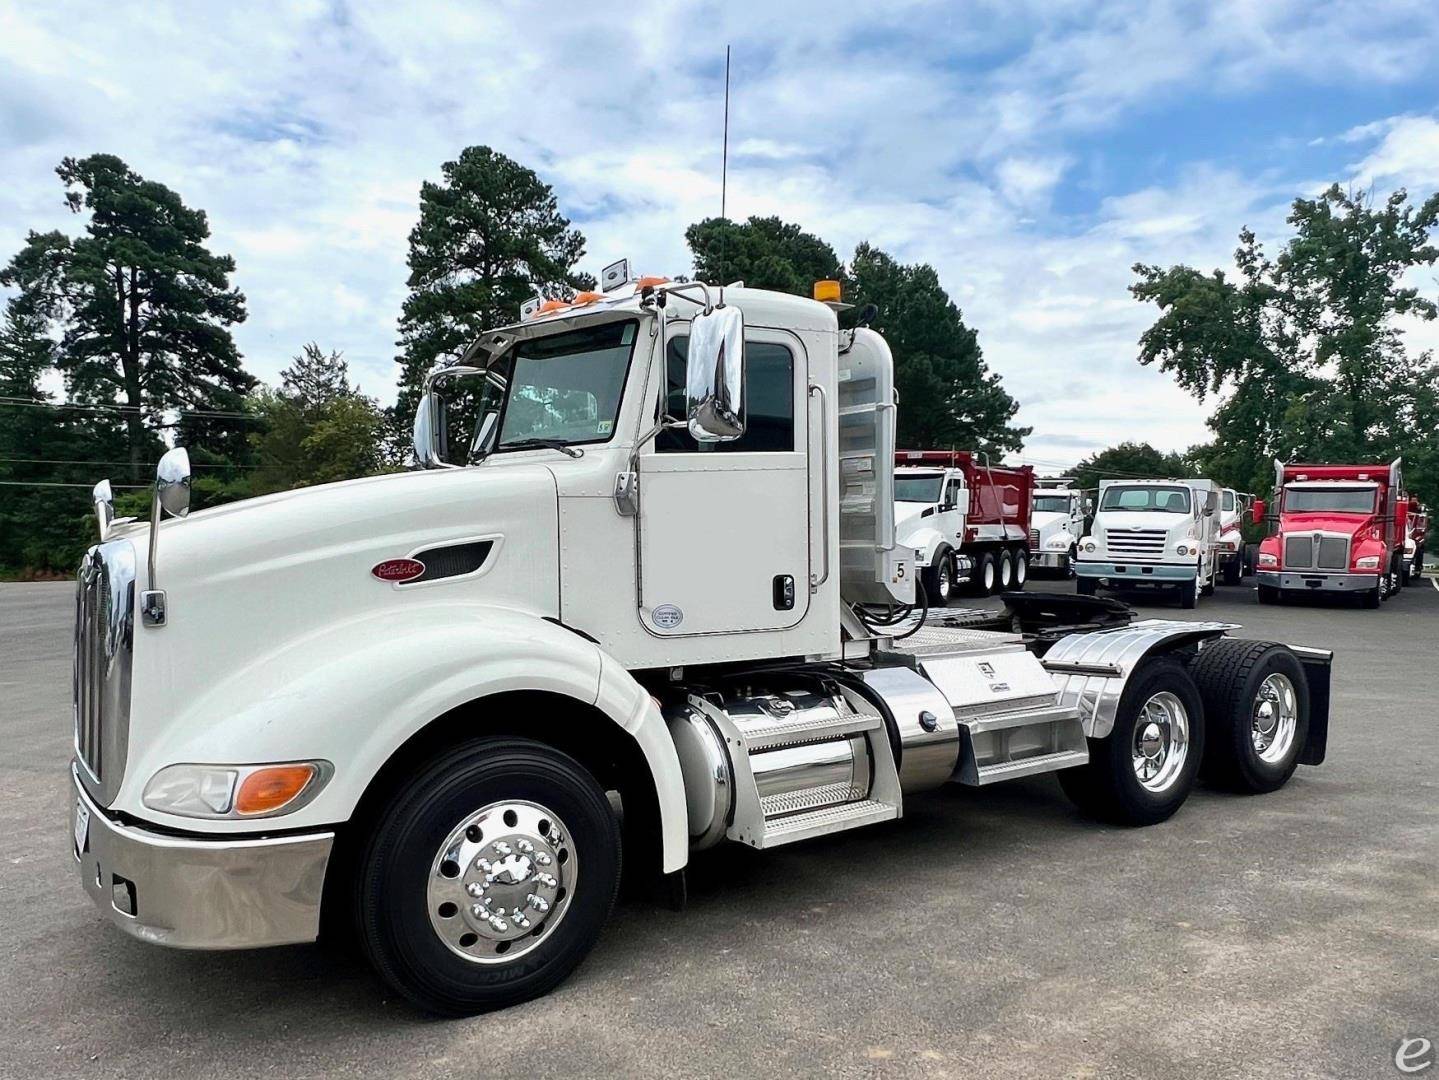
[(151, 464), (208, 414), (38, 483)]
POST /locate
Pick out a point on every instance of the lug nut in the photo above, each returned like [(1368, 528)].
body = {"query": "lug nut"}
[(543, 859), (474, 888), (502, 848), (524, 847), (539, 903)]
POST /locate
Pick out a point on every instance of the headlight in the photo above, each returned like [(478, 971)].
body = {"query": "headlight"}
[(1182, 549), (1089, 547), (235, 791), (1057, 543), (1367, 562), (1266, 559)]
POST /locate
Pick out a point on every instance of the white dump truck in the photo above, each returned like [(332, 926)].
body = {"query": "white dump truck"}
[(1056, 524), (655, 604), (1153, 534), (1234, 555)]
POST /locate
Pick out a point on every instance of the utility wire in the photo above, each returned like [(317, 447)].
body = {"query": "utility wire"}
[(38, 483), (32, 403), (151, 464)]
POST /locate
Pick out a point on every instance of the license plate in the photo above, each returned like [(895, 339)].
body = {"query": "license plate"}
[(82, 827)]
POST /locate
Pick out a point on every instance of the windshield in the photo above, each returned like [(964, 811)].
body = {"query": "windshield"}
[(1051, 504), (565, 387), (920, 489), (1163, 500), (1228, 501), (1335, 500)]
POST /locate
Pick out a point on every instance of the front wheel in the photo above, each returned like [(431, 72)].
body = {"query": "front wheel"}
[(938, 581), (1189, 595), (488, 876), (1142, 772), (1086, 586), (1232, 571), (1267, 594)]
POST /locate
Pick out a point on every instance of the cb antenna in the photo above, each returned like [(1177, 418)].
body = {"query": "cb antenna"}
[(724, 175)]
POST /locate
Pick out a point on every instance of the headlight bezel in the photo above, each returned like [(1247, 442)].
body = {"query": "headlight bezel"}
[(1367, 562), (209, 791)]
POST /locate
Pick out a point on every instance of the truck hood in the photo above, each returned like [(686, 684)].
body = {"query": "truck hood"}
[(1119, 521), (1325, 521), (904, 511), (1047, 520)]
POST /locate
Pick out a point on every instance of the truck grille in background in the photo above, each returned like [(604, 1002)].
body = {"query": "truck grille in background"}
[(1143, 542), (1315, 551), (104, 621), (1033, 539)]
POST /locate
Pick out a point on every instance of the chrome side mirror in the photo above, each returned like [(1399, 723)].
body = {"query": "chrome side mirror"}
[(172, 482), (714, 376), (104, 502), (429, 434)]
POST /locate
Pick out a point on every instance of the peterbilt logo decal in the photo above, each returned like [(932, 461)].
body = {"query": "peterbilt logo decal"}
[(398, 570)]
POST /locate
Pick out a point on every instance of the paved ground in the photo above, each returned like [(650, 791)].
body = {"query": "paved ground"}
[(989, 933)]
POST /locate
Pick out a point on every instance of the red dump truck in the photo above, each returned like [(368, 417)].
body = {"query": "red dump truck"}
[(1334, 528), (966, 519)]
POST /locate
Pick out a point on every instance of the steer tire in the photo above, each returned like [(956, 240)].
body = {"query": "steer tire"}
[(410, 836), (1267, 594), (1109, 787), (938, 581), (1233, 571), (1230, 673), (1189, 595), (1086, 586)]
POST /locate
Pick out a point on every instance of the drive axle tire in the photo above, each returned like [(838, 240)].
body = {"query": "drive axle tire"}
[(1256, 711), (938, 581), (1233, 571), (1021, 568), (1004, 579), (1142, 772), (488, 876), (986, 573)]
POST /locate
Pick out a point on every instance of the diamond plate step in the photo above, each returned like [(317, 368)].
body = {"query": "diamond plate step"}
[(822, 822), (1009, 770), (775, 733)]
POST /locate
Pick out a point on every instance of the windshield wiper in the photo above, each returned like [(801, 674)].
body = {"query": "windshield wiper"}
[(545, 444)]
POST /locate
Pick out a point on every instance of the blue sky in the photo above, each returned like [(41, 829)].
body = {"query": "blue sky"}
[(1031, 152)]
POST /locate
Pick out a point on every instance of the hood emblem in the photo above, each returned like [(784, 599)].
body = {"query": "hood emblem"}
[(398, 570)]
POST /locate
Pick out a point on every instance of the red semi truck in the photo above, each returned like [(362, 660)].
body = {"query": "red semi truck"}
[(1335, 528), (967, 520)]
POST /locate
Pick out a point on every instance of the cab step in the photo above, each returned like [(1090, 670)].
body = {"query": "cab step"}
[(831, 819), (780, 733), (1010, 770)]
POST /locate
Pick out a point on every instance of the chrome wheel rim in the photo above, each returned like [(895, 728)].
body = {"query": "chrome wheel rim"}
[(501, 882), (1021, 570), (989, 576), (1161, 741), (946, 579), (1274, 718)]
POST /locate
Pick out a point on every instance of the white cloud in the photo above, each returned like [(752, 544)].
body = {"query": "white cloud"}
[(942, 133), (1407, 154)]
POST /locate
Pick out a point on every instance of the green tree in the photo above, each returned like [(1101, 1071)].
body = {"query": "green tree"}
[(317, 428), (1304, 351), (948, 397), (139, 306), (490, 236), (1131, 461), (764, 253)]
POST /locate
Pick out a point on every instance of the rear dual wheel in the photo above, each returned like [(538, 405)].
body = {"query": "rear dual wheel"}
[(1142, 772), (488, 877), (1256, 705)]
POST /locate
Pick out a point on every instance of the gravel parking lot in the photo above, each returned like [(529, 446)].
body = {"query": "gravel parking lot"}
[(989, 933)]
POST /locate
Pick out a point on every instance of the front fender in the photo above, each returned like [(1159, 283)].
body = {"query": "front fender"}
[(353, 694)]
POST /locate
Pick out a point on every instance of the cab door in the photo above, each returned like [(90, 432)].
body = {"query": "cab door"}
[(724, 528)]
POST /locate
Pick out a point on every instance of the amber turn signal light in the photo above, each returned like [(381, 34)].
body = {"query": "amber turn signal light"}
[(266, 790)]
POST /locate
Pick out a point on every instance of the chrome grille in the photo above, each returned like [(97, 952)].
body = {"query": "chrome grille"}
[(104, 623), (1033, 539), (1316, 551), (1143, 542)]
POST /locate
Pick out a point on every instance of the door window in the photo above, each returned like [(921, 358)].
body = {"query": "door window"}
[(769, 401)]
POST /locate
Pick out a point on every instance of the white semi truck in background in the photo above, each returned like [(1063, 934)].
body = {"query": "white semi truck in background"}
[(656, 604), (1153, 534), (1056, 524)]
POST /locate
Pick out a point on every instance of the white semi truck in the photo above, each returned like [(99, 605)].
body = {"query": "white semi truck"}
[(1233, 553), (655, 605), (1056, 524), (1153, 534)]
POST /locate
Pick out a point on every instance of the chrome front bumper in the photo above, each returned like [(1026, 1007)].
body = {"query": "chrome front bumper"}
[(1126, 574), (190, 892), (1049, 560), (1320, 581)]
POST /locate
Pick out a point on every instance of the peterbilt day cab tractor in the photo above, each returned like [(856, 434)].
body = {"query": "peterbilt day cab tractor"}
[(654, 605), (966, 520), (1153, 534), (1056, 525), (1336, 529), (1233, 553)]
